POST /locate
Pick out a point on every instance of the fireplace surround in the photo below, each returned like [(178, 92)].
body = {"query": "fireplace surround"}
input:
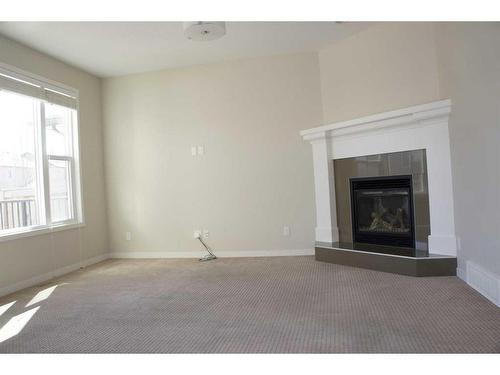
[(423, 127), (412, 164)]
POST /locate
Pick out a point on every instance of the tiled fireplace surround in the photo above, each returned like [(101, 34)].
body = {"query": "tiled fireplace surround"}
[(422, 127)]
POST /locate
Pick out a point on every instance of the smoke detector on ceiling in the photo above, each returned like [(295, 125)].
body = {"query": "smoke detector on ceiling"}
[(204, 31)]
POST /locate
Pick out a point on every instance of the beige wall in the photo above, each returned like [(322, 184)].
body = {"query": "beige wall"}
[(255, 176), (469, 62), (26, 258), (387, 66)]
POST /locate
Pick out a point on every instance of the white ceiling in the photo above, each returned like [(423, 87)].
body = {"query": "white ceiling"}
[(118, 48)]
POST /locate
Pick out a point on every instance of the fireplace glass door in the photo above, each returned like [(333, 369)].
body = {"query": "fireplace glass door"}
[(382, 211)]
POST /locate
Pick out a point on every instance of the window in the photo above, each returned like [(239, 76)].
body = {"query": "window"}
[(39, 176)]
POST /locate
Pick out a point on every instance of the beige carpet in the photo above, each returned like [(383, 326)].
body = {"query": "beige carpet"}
[(248, 305)]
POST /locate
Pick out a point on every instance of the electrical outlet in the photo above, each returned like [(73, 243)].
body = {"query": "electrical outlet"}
[(197, 234), (206, 233), (286, 231), (128, 236)]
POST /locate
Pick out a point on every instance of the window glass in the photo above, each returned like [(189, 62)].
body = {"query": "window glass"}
[(19, 190), (60, 190), (58, 129)]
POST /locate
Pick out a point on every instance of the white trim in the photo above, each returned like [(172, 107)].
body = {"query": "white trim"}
[(39, 231), (45, 165), (326, 234), (199, 254), (419, 127), (50, 275), (461, 274), (324, 191), (77, 167), (481, 280), (40, 164), (385, 119), (154, 254)]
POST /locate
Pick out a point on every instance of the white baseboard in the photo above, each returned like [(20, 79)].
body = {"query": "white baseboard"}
[(50, 275), (220, 254), (154, 254), (481, 280), (461, 274)]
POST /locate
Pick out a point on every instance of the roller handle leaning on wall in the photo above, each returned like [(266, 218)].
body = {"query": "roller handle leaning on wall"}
[(210, 255)]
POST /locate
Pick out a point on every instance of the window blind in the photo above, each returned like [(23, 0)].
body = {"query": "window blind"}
[(31, 87)]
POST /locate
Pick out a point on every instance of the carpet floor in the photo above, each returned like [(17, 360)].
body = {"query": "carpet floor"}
[(246, 305)]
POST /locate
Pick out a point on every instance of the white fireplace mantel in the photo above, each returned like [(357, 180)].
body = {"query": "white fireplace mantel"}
[(420, 127)]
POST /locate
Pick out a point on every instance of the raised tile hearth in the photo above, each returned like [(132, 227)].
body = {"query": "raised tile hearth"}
[(413, 262)]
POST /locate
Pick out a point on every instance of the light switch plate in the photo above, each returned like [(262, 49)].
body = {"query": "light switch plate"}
[(193, 150), (201, 150)]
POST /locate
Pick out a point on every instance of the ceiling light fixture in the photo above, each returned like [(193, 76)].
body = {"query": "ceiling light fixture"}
[(203, 31)]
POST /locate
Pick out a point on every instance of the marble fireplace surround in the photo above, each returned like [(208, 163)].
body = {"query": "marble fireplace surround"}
[(420, 127)]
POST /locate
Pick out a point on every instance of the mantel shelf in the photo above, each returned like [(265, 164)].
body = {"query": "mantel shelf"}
[(397, 117)]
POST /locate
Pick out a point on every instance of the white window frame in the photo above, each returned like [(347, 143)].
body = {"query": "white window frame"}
[(50, 88)]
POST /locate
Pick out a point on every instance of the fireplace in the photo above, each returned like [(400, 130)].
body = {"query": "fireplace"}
[(422, 128), (382, 211)]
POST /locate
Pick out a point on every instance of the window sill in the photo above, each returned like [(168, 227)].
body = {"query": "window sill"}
[(38, 231)]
